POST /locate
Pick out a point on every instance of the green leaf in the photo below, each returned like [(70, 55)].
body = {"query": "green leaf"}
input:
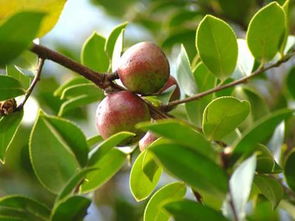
[(264, 35), (52, 9), (240, 187), (16, 73), (270, 188), (76, 102), (205, 80), (118, 48), (74, 183), (259, 108), (154, 208), (73, 208), (184, 74), (9, 125), (108, 166), (265, 161), (9, 87), (74, 81), (144, 176), (93, 54), (223, 115), (103, 148), (259, 133), (217, 46), (72, 136), (181, 133), (111, 41), (77, 90), (183, 162), (290, 81), (289, 170), (17, 33), (23, 208), (53, 145), (94, 140), (184, 209), (165, 96)]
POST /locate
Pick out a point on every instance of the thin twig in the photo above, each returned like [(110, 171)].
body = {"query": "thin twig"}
[(197, 196), (33, 84), (231, 84)]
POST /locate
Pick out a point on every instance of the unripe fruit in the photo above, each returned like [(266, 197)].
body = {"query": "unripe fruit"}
[(176, 94), (143, 68), (121, 111), (148, 138)]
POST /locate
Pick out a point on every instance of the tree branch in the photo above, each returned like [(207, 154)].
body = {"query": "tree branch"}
[(231, 84), (33, 84), (102, 80)]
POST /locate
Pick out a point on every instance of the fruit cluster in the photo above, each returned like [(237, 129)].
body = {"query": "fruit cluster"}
[(144, 70)]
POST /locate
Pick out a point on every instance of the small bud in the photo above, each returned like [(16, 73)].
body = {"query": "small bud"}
[(7, 107)]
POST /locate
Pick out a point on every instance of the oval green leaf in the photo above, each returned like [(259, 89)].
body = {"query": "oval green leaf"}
[(9, 125), (52, 10), (217, 46), (144, 176), (93, 54), (111, 41), (265, 35), (17, 34), (154, 209), (51, 151), (9, 87), (223, 115)]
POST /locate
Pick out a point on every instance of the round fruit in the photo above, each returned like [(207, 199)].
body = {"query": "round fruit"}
[(143, 68), (121, 111), (176, 94), (148, 138)]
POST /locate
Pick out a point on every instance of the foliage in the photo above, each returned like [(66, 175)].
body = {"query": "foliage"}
[(228, 143)]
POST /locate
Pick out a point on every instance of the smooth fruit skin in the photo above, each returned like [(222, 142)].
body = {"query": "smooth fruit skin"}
[(121, 111), (170, 82), (143, 68), (148, 138)]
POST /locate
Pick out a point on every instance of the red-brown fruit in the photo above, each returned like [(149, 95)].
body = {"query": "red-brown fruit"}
[(176, 94), (148, 138), (143, 68), (120, 111)]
